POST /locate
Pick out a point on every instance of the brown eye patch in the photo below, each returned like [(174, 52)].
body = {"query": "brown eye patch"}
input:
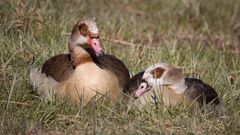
[(83, 28), (157, 72)]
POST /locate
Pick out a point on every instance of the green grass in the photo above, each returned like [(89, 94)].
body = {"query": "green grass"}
[(202, 38)]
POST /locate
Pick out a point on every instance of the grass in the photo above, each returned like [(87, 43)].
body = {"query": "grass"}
[(202, 38)]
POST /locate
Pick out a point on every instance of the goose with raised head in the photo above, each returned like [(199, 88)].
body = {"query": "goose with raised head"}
[(85, 34), (80, 74)]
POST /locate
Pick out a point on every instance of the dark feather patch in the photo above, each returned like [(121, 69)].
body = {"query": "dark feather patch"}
[(157, 72), (58, 67), (200, 91), (94, 57), (133, 83), (116, 66)]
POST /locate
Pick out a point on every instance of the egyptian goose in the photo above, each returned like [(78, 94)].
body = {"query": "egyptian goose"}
[(174, 88), (86, 34), (82, 72)]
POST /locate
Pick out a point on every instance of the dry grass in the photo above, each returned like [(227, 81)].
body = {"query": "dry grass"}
[(201, 37)]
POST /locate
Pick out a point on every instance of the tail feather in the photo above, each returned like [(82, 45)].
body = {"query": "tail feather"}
[(44, 85)]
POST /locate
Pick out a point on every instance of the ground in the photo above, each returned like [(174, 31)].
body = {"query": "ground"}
[(200, 37)]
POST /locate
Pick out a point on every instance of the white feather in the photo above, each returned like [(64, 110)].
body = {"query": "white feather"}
[(42, 84)]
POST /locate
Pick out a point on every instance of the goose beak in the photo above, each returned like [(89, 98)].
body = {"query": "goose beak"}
[(94, 43), (143, 88)]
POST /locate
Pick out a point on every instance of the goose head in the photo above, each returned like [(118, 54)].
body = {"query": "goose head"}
[(85, 34), (161, 75)]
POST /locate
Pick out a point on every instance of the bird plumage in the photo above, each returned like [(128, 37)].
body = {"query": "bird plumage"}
[(173, 88), (84, 72)]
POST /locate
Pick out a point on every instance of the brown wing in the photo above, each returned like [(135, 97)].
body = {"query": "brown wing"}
[(58, 67), (200, 91), (115, 65)]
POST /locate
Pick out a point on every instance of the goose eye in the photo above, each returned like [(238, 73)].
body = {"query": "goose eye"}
[(83, 29), (83, 32)]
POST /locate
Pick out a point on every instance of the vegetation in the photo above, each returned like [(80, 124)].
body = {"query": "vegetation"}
[(200, 37)]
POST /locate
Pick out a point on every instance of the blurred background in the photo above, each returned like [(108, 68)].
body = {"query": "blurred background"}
[(214, 23)]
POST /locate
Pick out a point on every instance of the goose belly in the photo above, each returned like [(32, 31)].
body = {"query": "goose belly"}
[(88, 81)]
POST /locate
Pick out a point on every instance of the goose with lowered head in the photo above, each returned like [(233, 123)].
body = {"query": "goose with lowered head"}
[(173, 87)]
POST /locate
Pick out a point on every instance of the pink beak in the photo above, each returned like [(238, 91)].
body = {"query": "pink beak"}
[(141, 90), (95, 45)]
